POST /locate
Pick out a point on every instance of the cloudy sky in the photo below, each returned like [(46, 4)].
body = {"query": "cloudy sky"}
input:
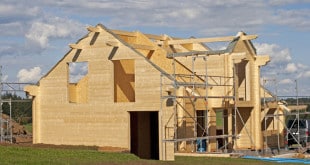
[(34, 35)]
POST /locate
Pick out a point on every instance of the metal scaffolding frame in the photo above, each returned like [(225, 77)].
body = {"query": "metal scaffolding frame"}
[(191, 83), (276, 118), (6, 133), (288, 131)]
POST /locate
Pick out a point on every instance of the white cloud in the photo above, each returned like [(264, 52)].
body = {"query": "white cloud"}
[(298, 19), (286, 81), (306, 74), (302, 66), (4, 77), (42, 31), (291, 68), (29, 76), (277, 54), (285, 2), (77, 70)]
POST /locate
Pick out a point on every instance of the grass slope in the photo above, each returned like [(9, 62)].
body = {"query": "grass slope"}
[(82, 156)]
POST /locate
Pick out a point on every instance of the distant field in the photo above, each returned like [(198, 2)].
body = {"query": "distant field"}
[(32, 155)]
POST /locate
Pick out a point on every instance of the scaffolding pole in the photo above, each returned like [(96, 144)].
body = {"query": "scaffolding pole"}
[(196, 82), (1, 120)]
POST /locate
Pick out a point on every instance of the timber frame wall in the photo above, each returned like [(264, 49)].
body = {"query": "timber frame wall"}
[(183, 80)]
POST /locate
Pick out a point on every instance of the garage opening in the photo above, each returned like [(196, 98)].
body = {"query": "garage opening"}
[(144, 134)]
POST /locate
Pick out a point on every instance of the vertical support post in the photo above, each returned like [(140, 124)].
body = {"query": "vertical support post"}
[(10, 122), (235, 106), (296, 88), (160, 116), (1, 122), (206, 102), (266, 149), (194, 103), (277, 116), (175, 105)]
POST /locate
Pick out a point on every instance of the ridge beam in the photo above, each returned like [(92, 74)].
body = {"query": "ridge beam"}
[(215, 39)]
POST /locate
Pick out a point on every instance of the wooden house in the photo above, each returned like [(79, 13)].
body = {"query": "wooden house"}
[(153, 95)]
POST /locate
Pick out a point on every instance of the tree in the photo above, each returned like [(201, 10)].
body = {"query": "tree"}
[(21, 111)]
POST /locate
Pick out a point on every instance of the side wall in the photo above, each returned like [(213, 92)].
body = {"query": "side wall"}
[(100, 120)]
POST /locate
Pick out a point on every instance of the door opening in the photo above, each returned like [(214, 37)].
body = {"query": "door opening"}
[(144, 134)]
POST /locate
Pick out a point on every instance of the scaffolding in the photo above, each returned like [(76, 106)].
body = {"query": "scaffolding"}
[(6, 130), (187, 95), (279, 118)]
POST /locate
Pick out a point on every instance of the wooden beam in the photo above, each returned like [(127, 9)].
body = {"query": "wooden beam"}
[(125, 33), (81, 46), (199, 40), (144, 47), (156, 37), (262, 60), (215, 39), (94, 29), (75, 46), (248, 37)]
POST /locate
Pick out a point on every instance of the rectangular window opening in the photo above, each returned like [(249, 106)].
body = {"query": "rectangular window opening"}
[(78, 82), (124, 80)]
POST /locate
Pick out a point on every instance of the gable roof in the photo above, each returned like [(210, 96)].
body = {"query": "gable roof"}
[(138, 53), (159, 42), (229, 49)]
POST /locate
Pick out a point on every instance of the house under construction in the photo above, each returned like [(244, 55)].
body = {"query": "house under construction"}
[(155, 95)]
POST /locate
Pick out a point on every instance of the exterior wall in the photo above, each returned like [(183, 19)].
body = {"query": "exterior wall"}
[(123, 79), (98, 119), (91, 123)]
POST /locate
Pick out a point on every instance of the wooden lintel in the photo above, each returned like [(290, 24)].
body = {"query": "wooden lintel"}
[(125, 33), (144, 47), (244, 103), (239, 56), (93, 29), (215, 39)]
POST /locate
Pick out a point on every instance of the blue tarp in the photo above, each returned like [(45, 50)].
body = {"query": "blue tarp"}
[(279, 160)]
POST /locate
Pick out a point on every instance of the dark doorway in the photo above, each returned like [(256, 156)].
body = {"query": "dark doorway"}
[(144, 134)]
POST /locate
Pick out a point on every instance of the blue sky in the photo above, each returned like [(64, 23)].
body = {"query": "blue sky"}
[(34, 35)]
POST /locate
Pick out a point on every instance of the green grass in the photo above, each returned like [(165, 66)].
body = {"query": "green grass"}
[(28, 127), (83, 156)]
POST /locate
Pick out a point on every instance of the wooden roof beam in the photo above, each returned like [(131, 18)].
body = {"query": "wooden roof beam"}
[(143, 47), (215, 39), (94, 29), (124, 33), (156, 37), (118, 32), (81, 46), (75, 46)]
